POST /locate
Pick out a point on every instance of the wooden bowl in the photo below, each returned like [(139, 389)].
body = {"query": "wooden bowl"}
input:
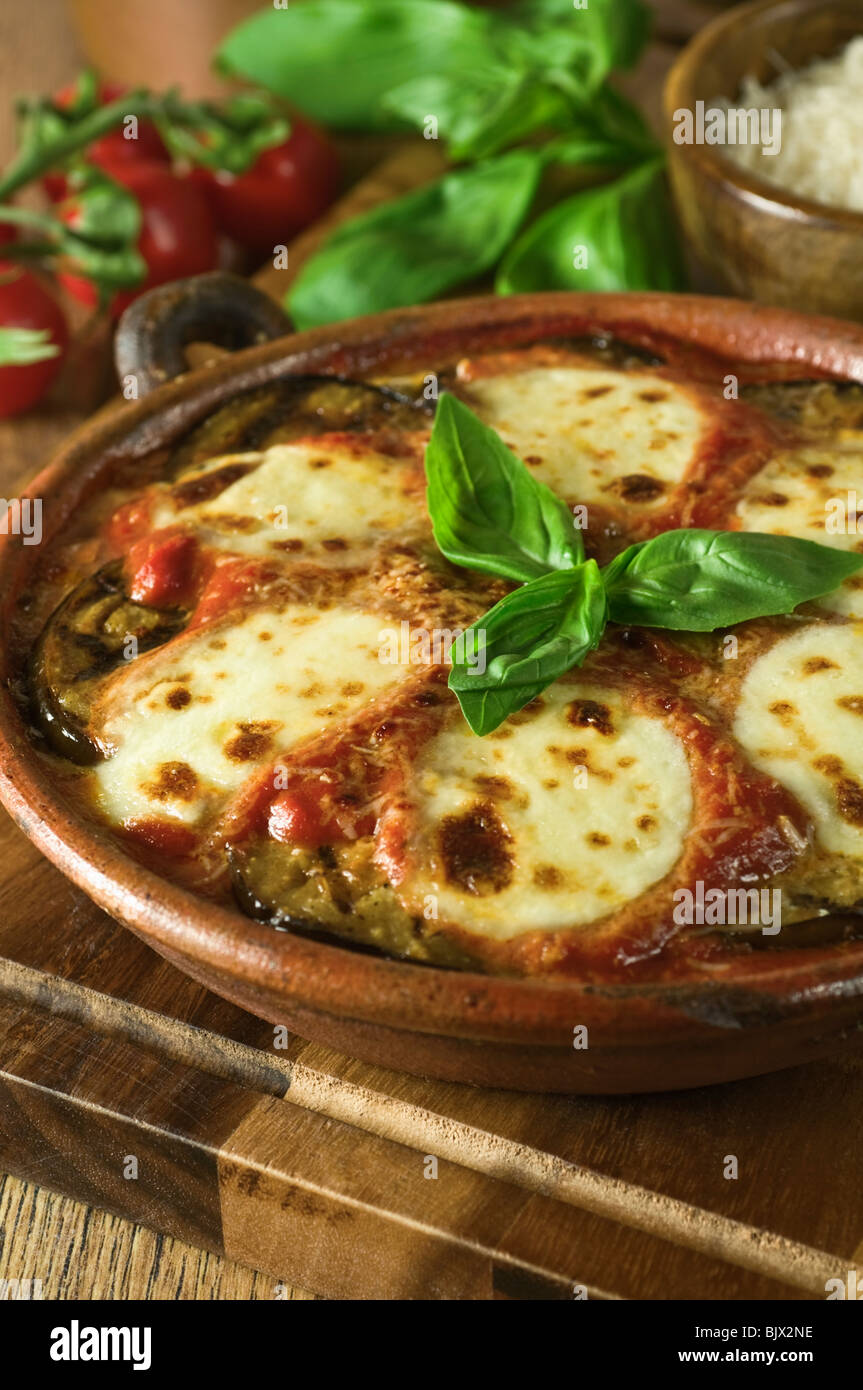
[(755, 1014), (754, 238)]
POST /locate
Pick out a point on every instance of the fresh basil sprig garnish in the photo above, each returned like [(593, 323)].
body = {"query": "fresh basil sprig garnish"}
[(490, 513)]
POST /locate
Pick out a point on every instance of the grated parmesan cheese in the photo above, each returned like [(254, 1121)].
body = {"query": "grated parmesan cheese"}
[(821, 151)]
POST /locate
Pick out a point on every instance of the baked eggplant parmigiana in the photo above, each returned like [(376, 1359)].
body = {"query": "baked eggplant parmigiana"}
[(237, 661)]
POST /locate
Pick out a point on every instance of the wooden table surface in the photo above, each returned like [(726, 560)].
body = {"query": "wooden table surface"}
[(79, 1251)]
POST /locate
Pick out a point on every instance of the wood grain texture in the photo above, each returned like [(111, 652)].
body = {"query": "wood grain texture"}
[(76, 1251)]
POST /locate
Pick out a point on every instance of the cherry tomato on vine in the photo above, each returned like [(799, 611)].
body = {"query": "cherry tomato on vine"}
[(25, 303), (177, 238), (286, 188), (112, 148)]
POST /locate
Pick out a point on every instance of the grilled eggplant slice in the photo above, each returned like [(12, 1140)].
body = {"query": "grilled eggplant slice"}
[(819, 406), (294, 408), (336, 894), (84, 639)]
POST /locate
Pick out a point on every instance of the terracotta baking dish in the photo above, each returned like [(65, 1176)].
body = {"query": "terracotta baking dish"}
[(764, 1011)]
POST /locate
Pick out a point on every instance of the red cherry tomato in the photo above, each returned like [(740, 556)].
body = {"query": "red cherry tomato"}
[(25, 303), (286, 188), (112, 148), (177, 238)]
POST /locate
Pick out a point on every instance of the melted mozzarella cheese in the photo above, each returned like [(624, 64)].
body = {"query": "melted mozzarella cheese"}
[(812, 493), (800, 718), (591, 434), (189, 722), (590, 816), (314, 493)]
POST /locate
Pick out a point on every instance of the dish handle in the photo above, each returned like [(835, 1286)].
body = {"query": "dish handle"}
[(155, 330)]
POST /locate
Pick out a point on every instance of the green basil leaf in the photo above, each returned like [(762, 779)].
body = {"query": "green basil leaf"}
[(605, 129), (336, 58), (605, 116), (480, 113), (592, 39), (619, 236), (21, 346), (487, 509), (696, 581), (416, 247), (525, 642)]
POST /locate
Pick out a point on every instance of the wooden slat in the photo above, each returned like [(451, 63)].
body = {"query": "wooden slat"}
[(79, 1252)]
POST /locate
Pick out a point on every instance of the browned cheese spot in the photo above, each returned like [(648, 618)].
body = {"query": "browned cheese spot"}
[(597, 839), (293, 544), (829, 764), (849, 799), (820, 470), (639, 487), (208, 485), (589, 714), (592, 393), (646, 823), (234, 523), (251, 742), (353, 688), (783, 709), (813, 664), (178, 698), (497, 787), (335, 543), (853, 703), (320, 463), (174, 782), (772, 499), (547, 876), (653, 397), (475, 848)]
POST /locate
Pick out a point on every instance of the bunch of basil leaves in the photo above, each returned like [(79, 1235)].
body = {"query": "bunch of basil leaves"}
[(490, 513), (536, 71)]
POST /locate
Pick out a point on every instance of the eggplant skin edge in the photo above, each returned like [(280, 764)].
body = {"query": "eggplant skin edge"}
[(77, 648)]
